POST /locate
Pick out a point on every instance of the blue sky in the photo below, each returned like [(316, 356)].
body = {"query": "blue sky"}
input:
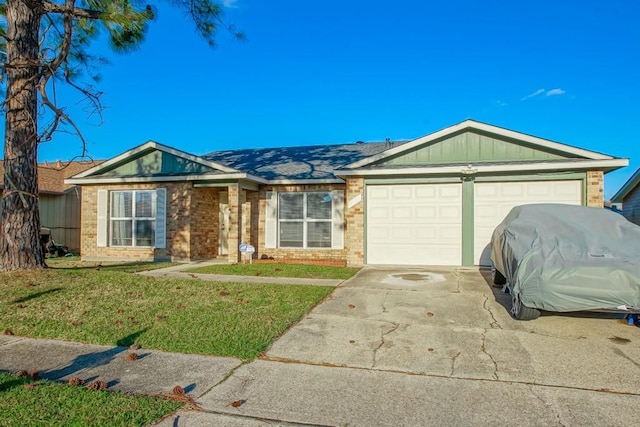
[(340, 71)]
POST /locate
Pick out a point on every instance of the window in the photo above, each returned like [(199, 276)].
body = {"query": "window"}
[(305, 220), (133, 218)]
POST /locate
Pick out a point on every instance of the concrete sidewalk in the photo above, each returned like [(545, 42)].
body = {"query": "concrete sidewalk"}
[(177, 271), (154, 372)]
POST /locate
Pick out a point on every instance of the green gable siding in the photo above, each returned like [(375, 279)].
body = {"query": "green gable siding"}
[(157, 163), (472, 147)]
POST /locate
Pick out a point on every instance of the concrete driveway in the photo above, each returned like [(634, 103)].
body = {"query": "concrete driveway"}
[(434, 346)]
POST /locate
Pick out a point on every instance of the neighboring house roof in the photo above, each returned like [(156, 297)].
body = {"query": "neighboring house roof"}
[(468, 147), (51, 176), (627, 187)]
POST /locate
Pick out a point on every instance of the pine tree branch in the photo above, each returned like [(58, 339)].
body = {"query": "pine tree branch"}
[(77, 12)]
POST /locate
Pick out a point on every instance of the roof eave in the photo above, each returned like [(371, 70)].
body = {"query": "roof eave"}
[(166, 178), (605, 165)]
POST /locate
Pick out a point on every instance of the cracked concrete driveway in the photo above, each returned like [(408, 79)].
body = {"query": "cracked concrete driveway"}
[(436, 346), (453, 323)]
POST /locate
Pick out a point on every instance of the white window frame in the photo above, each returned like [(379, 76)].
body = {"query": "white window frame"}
[(305, 220), (133, 218)]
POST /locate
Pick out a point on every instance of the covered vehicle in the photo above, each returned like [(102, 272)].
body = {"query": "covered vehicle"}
[(567, 258)]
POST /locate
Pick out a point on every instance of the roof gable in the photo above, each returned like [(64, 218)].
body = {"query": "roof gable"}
[(471, 146), (472, 141), (153, 159)]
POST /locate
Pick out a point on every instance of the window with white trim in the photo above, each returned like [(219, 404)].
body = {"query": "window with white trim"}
[(133, 218), (305, 219)]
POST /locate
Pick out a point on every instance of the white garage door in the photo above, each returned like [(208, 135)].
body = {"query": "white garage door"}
[(494, 200), (414, 224)]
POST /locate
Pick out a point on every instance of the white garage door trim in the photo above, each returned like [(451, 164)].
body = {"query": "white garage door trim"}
[(494, 200), (414, 224)]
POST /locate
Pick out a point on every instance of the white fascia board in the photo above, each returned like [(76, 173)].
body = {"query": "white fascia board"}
[(479, 168), (631, 183), (136, 179), (472, 124), (305, 181), (148, 146)]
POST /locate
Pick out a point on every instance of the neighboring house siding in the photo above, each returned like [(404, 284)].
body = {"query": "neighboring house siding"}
[(61, 213), (301, 254), (191, 224), (631, 206)]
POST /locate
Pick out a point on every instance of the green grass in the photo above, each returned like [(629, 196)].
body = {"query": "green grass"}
[(279, 270), (111, 306), (50, 403)]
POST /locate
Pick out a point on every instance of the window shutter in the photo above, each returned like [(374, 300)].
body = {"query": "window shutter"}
[(161, 218), (102, 226), (271, 220), (337, 238)]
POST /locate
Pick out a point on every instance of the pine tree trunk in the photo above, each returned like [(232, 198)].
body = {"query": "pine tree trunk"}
[(20, 247)]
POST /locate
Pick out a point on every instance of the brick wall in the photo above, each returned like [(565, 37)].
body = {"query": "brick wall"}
[(595, 189), (354, 222), (327, 255), (192, 224), (203, 223)]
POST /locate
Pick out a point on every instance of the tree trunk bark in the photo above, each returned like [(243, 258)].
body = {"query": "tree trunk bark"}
[(20, 247)]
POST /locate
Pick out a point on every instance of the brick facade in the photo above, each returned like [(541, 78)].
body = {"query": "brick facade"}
[(595, 189), (323, 255), (191, 225), (354, 221)]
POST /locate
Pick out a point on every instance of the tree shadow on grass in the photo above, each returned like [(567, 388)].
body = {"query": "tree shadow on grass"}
[(131, 338), (36, 295)]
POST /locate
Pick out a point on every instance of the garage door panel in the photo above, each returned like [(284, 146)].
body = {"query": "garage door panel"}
[(451, 234), (426, 212), (401, 212), (378, 213), (422, 224), (494, 200), (450, 213), (425, 192), (378, 193), (399, 193)]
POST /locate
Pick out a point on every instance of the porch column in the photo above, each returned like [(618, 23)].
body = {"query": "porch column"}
[(235, 222)]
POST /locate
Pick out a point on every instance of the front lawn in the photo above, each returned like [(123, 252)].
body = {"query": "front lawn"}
[(279, 270), (25, 402), (109, 305)]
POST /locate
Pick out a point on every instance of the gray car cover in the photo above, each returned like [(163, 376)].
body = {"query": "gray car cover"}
[(568, 258)]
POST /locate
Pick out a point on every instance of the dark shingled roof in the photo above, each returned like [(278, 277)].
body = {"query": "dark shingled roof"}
[(297, 163)]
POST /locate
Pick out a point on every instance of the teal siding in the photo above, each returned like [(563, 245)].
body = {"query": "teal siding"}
[(157, 163), (472, 147)]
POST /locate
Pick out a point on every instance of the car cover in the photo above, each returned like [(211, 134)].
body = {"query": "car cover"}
[(568, 258)]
